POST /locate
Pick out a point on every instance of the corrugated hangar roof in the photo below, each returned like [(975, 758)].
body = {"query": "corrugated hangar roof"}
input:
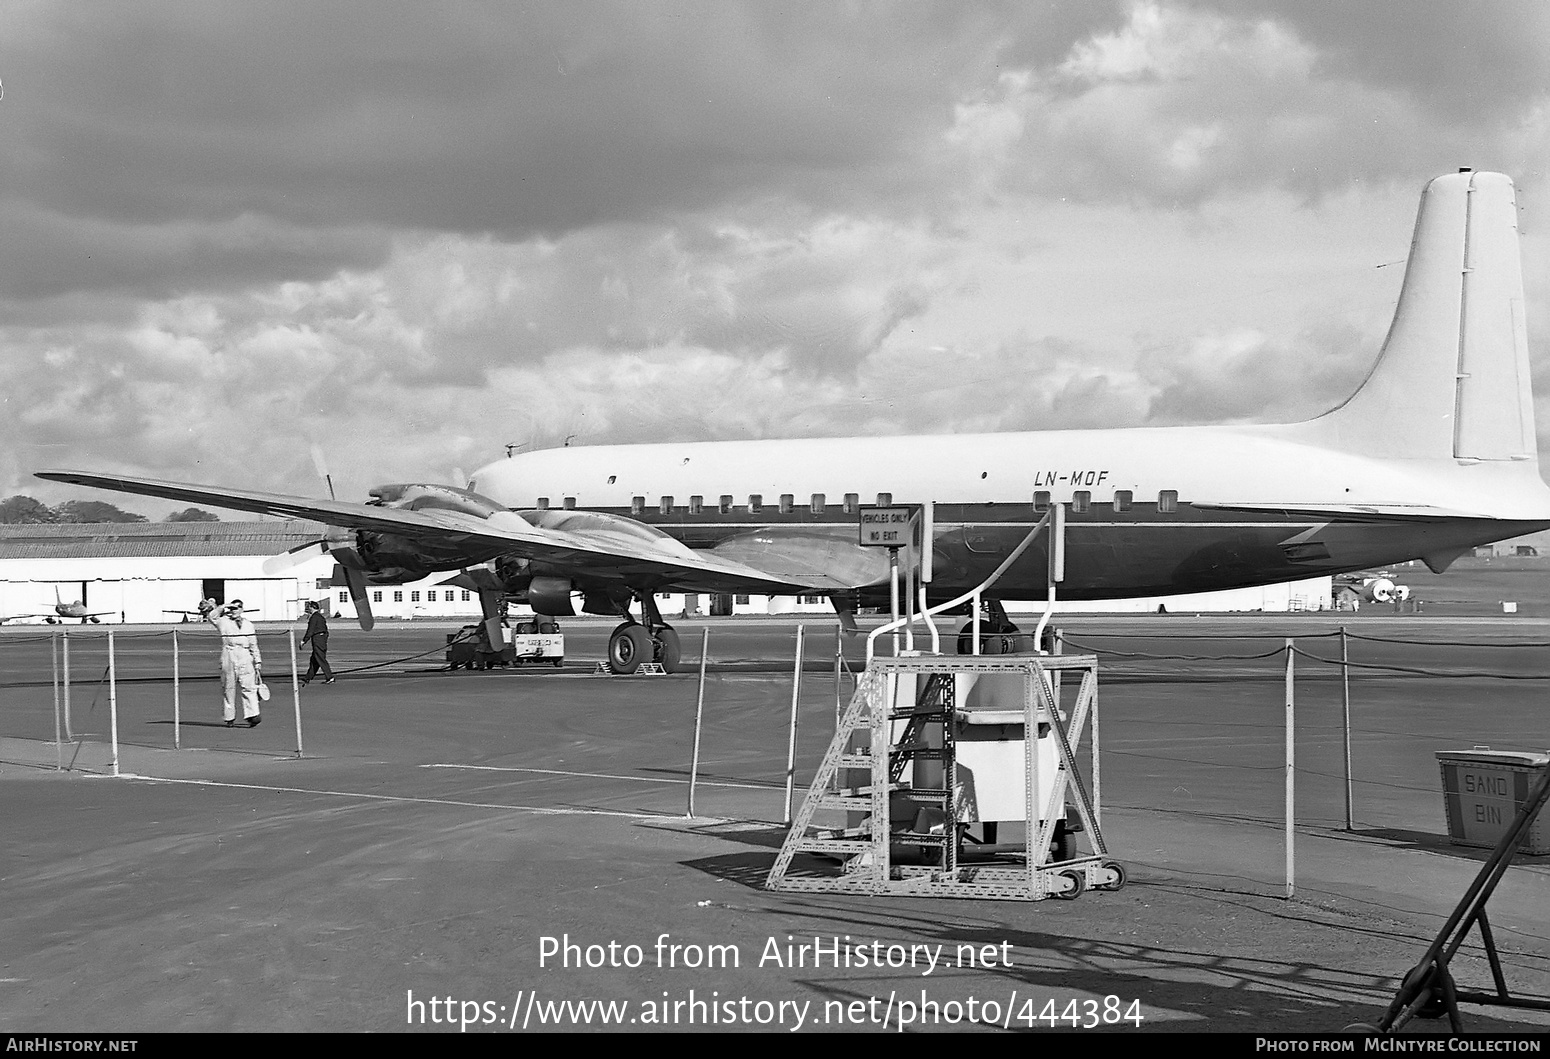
[(115, 540)]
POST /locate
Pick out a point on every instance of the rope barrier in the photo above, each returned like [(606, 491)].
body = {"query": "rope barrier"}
[(1453, 673), (462, 637), (1207, 636), (1175, 658), (1541, 644)]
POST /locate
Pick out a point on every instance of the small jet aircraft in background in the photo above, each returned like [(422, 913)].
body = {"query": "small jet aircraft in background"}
[(1434, 454), (63, 611), (195, 615)]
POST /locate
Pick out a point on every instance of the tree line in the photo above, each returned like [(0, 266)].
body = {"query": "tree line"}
[(24, 510)]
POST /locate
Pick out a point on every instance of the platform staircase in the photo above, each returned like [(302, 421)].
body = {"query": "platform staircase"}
[(891, 769)]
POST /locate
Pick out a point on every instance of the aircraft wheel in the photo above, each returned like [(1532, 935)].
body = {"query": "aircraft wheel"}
[(628, 647), (1078, 881), (668, 650)]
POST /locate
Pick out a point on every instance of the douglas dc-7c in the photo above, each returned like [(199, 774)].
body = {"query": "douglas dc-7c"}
[(1434, 454)]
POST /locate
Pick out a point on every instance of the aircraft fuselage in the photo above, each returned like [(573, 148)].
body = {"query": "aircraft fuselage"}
[(1150, 510)]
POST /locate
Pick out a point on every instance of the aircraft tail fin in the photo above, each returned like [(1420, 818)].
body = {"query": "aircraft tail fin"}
[(1452, 380)]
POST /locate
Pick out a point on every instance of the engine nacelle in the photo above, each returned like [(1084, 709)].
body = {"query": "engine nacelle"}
[(390, 559), (550, 596)]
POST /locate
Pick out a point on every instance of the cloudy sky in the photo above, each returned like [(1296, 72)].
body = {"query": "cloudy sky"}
[(412, 234)]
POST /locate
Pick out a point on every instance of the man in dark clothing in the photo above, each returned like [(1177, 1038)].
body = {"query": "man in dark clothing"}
[(317, 635)]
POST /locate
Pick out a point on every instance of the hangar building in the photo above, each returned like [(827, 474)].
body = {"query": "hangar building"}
[(149, 572)]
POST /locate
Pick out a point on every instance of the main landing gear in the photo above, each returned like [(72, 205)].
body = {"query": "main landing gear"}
[(634, 643)]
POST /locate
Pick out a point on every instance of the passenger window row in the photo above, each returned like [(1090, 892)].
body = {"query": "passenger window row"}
[(1124, 500), (1081, 502), (817, 504)]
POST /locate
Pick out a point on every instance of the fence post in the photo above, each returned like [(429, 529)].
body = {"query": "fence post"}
[(113, 699), (791, 741), (839, 657), (65, 651), (290, 638), (59, 748), (1291, 767), (1345, 704), (699, 714), (177, 704)]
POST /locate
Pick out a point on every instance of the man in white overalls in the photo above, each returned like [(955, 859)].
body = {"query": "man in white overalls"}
[(240, 660)]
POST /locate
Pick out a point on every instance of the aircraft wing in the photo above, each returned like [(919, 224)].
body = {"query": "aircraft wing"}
[(596, 553), (1338, 512)]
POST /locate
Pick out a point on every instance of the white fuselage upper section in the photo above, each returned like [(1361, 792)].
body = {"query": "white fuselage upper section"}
[(1264, 465)]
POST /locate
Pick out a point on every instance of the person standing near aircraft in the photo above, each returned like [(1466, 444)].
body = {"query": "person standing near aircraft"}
[(241, 662), (317, 635)]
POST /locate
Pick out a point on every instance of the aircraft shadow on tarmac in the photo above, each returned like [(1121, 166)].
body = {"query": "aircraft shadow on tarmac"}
[(1265, 995)]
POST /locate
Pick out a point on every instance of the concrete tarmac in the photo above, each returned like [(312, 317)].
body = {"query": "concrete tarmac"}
[(510, 850)]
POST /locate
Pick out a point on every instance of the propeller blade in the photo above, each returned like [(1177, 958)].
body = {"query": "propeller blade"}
[(322, 469), (357, 582), (493, 605), (276, 565)]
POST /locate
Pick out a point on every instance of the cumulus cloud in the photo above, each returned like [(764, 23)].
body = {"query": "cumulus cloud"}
[(1183, 102), (414, 235)]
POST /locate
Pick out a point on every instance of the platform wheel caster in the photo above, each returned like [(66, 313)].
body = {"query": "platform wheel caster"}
[(1119, 876), (1078, 881)]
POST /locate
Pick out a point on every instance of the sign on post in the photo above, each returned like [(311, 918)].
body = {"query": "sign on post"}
[(887, 527)]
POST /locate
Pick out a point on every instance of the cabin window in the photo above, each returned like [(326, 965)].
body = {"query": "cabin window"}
[(414, 597), (398, 597), (743, 600), (344, 596), (755, 503), (1041, 500), (787, 502), (1122, 498), (376, 597), (817, 507), (665, 505), (852, 503), (570, 503), (884, 499), (1168, 500), (726, 503), (637, 505), (696, 504), (1081, 500), (543, 503), (465, 595), (430, 597)]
